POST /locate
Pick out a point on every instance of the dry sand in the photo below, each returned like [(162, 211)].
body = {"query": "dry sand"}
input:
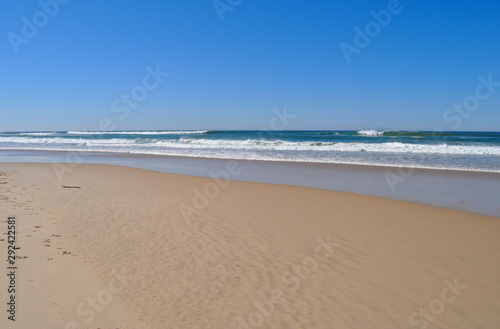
[(254, 256)]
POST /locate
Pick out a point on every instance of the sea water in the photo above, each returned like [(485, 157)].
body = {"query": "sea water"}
[(468, 151)]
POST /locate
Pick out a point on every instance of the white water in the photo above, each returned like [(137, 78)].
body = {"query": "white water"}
[(148, 145), (370, 133), (174, 132)]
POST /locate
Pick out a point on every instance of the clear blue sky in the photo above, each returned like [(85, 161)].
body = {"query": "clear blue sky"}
[(230, 74)]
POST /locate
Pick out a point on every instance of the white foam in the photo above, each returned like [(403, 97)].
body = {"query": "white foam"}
[(172, 132), (258, 145), (392, 147), (372, 133), (66, 141), (39, 134)]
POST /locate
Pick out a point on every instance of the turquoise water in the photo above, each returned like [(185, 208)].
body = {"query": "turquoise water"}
[(470, 151)]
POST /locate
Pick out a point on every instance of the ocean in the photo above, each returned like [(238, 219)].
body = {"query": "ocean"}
[(468, 151)]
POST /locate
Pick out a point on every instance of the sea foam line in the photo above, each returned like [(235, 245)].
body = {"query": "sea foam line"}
[(255, 157), (259, 145), (171, 132)]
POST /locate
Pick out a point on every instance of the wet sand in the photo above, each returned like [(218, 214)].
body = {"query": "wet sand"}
[(475, 192)]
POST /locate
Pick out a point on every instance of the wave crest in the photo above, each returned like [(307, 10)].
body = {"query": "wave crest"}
[(155, 132), (372, 133)]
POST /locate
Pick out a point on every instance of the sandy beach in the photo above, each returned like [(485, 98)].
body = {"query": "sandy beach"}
[(115, 247), (235, 164)]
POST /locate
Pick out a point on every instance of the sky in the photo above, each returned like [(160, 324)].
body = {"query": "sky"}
[(231, 64)]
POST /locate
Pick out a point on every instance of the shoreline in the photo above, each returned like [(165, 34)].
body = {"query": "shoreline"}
[(107, 154), (251, 254), (461, 190)]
